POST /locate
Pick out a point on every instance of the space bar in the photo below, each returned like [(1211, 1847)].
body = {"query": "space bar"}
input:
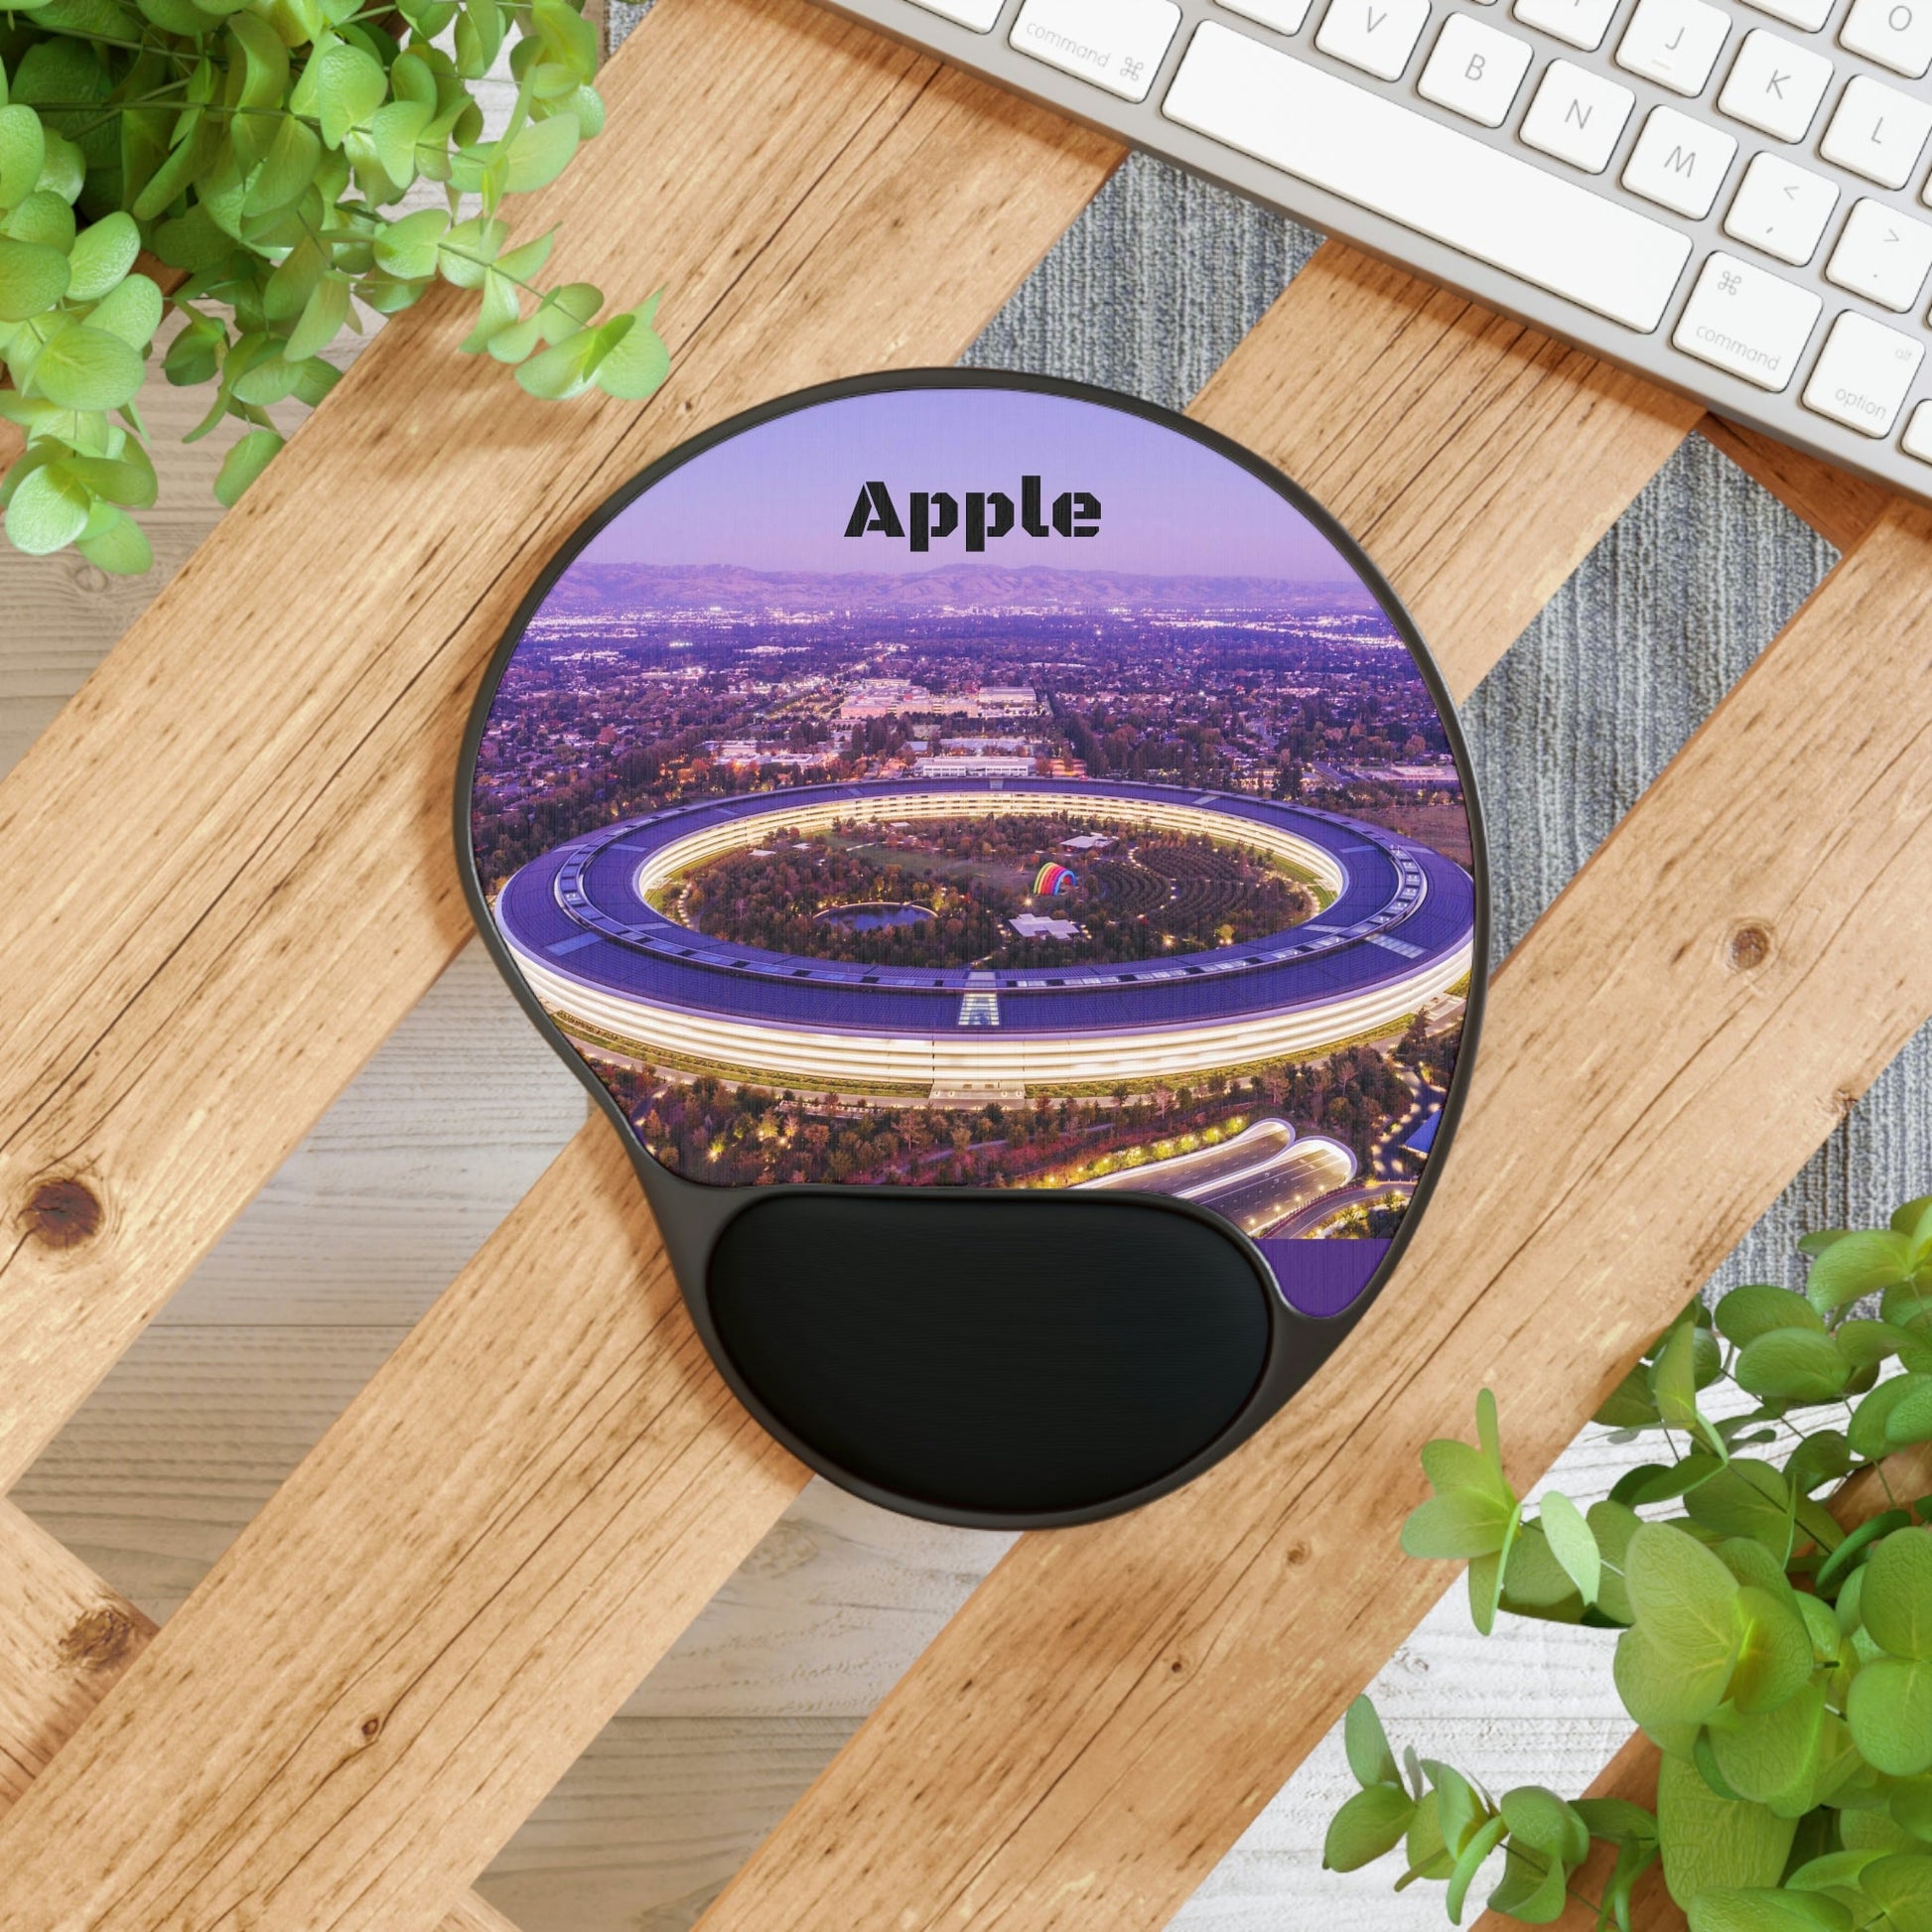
[(1402, 165)]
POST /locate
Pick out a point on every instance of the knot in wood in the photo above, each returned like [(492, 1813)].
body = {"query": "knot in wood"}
[(1750, 946), (99, 1639), (1297, 1553), (62, 1213)]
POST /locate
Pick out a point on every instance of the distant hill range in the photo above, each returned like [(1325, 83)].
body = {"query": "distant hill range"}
[(607, 589)]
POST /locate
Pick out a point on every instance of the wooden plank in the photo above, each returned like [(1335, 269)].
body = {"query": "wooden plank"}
[(1433, 365), (1839, 506), (65, 1640), (1112, 1708), (818, 199)]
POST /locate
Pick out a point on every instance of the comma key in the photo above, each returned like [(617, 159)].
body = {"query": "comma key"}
[(1751, 323)]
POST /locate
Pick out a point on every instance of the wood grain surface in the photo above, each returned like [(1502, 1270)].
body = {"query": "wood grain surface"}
[(1462, 357), (818, 201), (1113, 1707)]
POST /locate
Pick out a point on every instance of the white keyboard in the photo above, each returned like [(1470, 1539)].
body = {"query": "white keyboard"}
[(1731, 200)]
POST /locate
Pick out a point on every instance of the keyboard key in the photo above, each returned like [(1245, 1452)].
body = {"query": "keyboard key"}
[(1776, 86), (1808, 14), (1115, 44), (1741, 319), (1577, 116), (1883, 254), (1474, 70), (1674, 43), (1897, 34), (1861, 378), (1877, 132), (1781, 208), (978, 14), (1917, 439), (1679, 162), (1478, 200), (1377, 36), (1582, 23), (1285, 16)]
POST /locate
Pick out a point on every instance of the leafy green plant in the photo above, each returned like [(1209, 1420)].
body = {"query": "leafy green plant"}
[(1781, 1664), (258, 149)]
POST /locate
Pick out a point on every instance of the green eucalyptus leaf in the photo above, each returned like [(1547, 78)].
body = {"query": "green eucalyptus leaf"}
[(1746, 1498), (1613, 1525), (1367, 1745), (322, 319), (267, 380), (1820, 1458), (286, 170), (513, 344), (1756, 1310), (115, 543), (1898, 1601), (1612, 1819), (1913, 1220), (1630, 1405), (49, 508), (191, 355), (101, 255), (1772, 1757), (525, 262), (1871, 1419), (1793, 1365), (1761, 1910), (1856, 1266), (564, 369), (635, 361), (249, 456), (1470, 1860), (540, 153), (44, 218), (23, 153), (349, 86), (1909, 1420), (1571, 1542), (1674, 1667), (32, 279), (1429, 1856), (84, 367), (407, 248), (1890, 1709), (134, 312), (1713, 1844), (1372, 1823), (1863, 1343), (65, 171), (1901, 1886), (127, 479), (1535, 1584)]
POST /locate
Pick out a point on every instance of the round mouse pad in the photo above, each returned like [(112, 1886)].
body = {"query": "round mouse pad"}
[(944, 784)]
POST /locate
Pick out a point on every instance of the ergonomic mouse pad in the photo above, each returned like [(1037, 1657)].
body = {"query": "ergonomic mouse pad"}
[(958, 782)]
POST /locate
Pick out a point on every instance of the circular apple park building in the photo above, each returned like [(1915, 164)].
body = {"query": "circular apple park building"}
[(1397, 933)]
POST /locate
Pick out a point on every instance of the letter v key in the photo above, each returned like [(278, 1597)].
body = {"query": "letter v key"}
[(1377, 36)]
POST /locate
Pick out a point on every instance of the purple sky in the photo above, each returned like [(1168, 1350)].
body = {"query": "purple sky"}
[(778, 498)]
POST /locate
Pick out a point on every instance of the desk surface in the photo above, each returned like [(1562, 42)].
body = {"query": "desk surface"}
[(455, 1115)]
